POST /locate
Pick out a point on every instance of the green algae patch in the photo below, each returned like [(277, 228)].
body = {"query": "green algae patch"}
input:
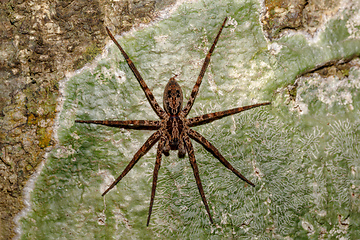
[(301, 152), (90, 53)]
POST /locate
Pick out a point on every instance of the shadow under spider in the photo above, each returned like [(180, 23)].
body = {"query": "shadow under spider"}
[(173, 128)]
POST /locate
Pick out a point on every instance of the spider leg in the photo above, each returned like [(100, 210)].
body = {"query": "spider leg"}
[(207, 118), (150, 97), (181, 149), (128, 124), (155, 175), (190, 151), (165, 146), (141, 152), (195, 90), (211, 149)]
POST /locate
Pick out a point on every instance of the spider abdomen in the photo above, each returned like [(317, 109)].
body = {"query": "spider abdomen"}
[(174, 128), (173, 132)]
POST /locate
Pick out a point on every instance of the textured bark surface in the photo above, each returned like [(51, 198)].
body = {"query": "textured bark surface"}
[(296, 15)]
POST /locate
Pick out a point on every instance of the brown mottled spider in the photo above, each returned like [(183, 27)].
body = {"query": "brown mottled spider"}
[(173, 130)]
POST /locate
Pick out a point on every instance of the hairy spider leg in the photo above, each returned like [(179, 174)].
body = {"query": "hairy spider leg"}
[(192, 159), (141, 152), (211, 149), (150, 97), (127, 124), (155, 176), (195, 90), (207, 118)]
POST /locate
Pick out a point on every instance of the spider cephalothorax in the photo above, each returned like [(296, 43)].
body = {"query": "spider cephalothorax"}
[(173, 98), (173, 130)]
